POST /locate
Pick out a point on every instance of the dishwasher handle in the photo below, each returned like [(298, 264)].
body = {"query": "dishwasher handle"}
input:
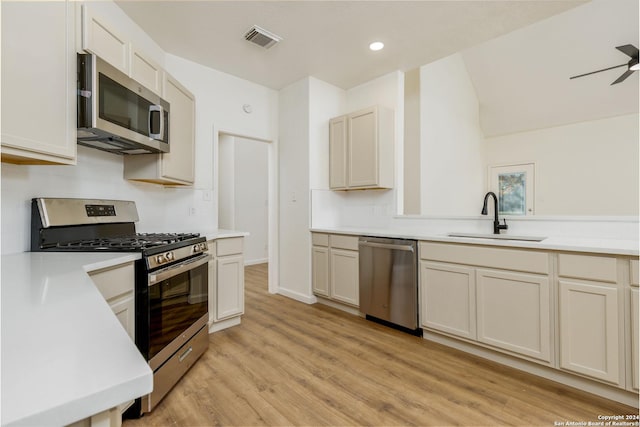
[(408, 248)]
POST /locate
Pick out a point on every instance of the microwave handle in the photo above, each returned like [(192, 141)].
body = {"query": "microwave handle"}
[(160, 110)]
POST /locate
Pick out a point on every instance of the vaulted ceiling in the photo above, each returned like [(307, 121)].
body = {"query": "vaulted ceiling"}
[(519, 53)]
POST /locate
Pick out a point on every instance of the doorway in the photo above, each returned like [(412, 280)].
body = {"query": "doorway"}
[(246, 198)]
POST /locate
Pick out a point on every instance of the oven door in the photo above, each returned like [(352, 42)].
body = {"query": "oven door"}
[(178, 306)]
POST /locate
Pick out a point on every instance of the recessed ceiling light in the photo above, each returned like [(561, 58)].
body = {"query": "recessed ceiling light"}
[(376, 46)]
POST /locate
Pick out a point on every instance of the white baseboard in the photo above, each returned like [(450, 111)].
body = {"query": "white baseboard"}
[(297, 296), (224, 324), (347, 308)]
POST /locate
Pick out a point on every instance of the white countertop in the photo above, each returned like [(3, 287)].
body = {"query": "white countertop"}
[(569, 244), (221, 233), (65, 356)]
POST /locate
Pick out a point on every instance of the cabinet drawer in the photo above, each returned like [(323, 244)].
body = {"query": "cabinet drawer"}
[(344, 242), (602, 269), (114, 281), (319, 239), (635, 281), (229, 246), (507, 259)]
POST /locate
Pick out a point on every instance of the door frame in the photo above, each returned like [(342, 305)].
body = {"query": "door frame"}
[(273, 197)]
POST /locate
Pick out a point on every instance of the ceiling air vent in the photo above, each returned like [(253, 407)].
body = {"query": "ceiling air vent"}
[(261, 37)]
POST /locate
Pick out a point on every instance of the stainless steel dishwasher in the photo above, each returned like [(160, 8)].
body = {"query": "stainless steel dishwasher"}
[(389, 281)]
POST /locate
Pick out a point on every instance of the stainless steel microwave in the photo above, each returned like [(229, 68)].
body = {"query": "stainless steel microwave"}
[(116, 113)]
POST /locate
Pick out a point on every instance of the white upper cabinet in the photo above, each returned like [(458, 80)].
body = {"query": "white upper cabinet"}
[(100, 38), (338, 152), (361, 150), (178, 166), (38, 50), (144, 70)]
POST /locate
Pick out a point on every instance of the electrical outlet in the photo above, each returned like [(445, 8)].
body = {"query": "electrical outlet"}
[(207, 196), (192, 211)]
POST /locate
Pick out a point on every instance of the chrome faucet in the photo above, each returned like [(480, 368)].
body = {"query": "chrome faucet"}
[(496, 223)]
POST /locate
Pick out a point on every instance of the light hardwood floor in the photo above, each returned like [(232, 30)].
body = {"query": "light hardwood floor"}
[(290, 363)]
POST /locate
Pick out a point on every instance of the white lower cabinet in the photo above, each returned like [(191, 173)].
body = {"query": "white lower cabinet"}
[(506, 307), (117, 286), (335, 268), (591, 315), (635, 336), (226, 283), (109, 418), (344, 267), (590, 337), (448, 298), (633, 294), (514, 313), (320, 262), (229, 296)]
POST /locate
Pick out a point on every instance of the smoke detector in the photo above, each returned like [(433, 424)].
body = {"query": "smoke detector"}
[(261, 37)]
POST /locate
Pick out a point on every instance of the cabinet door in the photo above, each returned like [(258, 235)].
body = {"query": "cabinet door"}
[(100, 38), (229, 286), (363, 148), (124, 309), (38, 82), (635, 294), (338, 153), (514, 312), (213, 281), (145, 71), (589, 330), (320, 267), (448, 294), (344, 276), (179, 163)]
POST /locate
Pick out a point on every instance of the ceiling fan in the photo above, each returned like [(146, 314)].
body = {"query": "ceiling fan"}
[(632, 65)]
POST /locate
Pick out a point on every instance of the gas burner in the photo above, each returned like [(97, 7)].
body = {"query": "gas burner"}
[(127, 243)]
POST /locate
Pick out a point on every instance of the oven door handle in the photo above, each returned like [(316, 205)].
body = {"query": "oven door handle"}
[(174, 270)]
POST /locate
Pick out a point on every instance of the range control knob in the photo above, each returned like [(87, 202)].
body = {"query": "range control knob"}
[(169, 256), (160, 259)]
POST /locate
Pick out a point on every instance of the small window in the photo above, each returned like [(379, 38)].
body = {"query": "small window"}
[(514, 185)]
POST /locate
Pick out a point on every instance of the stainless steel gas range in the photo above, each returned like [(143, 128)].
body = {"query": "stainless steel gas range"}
[(171, 283)]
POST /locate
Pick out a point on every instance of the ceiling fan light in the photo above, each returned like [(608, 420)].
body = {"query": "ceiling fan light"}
[(635, 67)]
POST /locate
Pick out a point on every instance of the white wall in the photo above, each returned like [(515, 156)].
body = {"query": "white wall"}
[(588, 168), (251, 197), (452, 146), (294, 219), (226, 181), (327, 102)]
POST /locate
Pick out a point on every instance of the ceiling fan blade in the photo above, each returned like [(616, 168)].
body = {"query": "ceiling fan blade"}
[(628, 49), (599, 71), (623, 77)]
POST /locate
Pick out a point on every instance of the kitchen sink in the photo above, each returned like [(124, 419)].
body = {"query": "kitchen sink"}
[(498, 236)]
